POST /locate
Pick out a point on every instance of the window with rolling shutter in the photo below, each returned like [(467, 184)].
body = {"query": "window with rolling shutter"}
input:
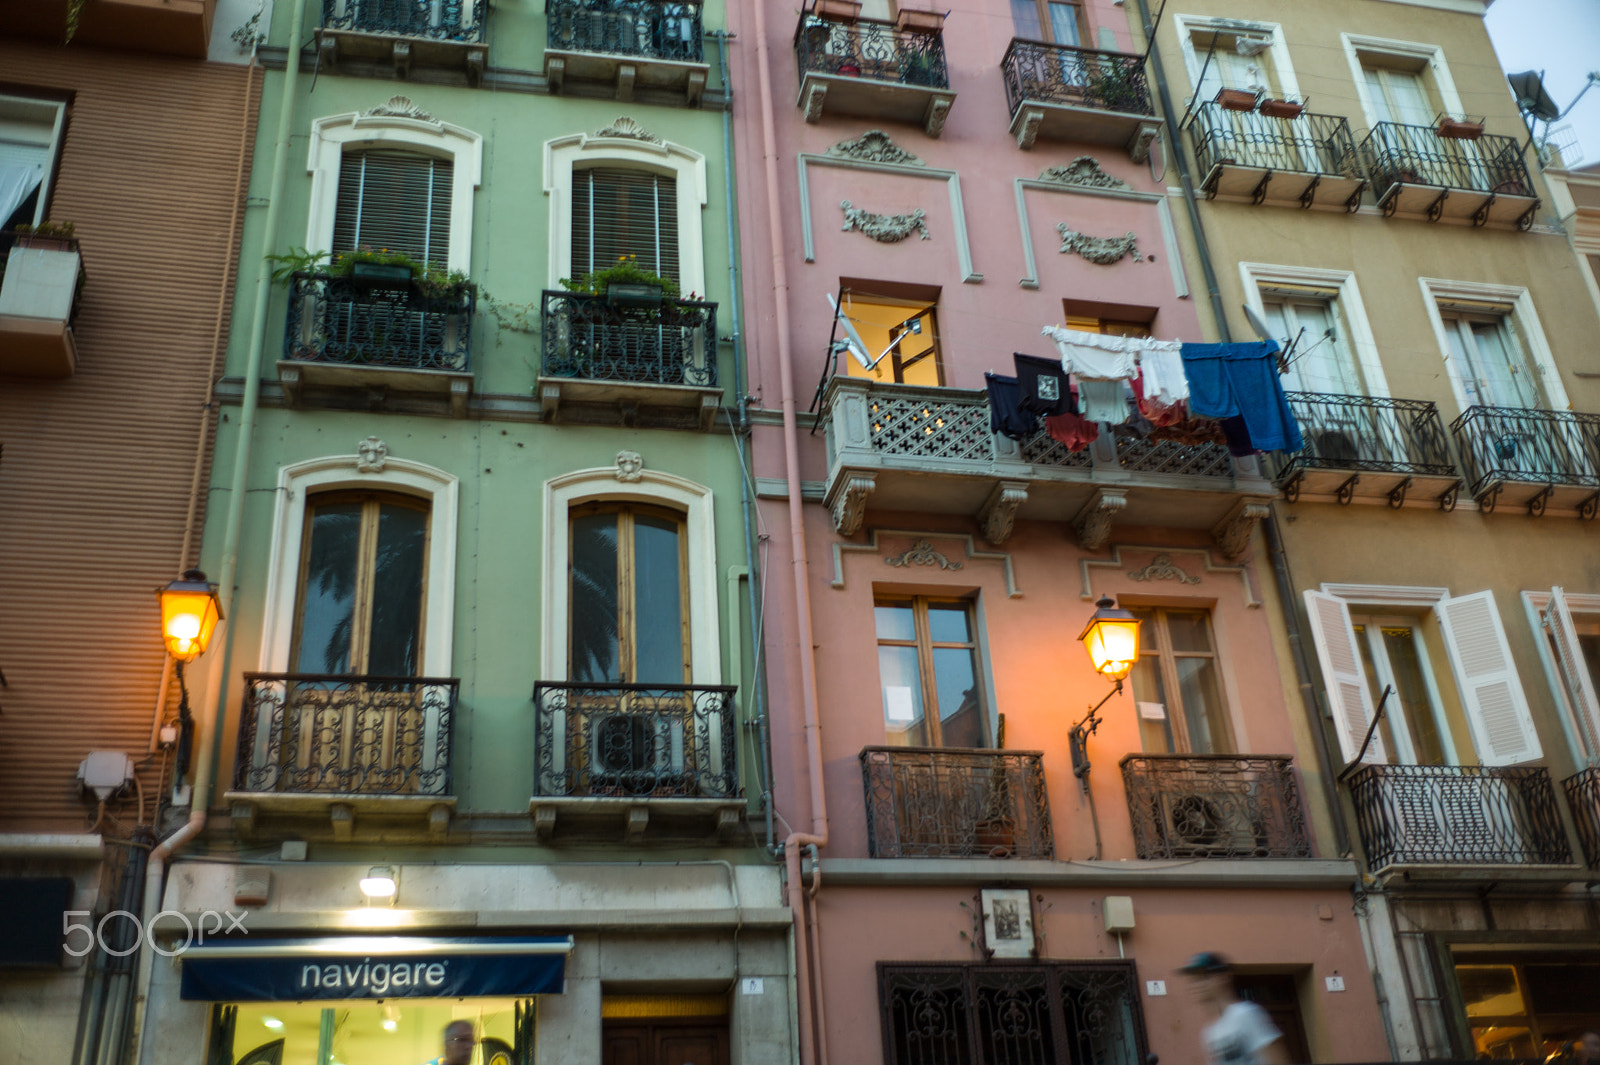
[(618, 212), (394, 200)]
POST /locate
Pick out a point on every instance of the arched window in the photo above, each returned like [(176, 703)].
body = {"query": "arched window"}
[(360, 604), (629, 595)]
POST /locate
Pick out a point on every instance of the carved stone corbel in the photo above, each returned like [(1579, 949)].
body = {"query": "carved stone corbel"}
[(1027, 125), (933, 119), (849, 503), (1232, 533), (999, 512), (816, 95), (1093, 523), (1139, 143)]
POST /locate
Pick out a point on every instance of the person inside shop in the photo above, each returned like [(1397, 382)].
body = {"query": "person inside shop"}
[(1239, 1032), (459, 1039), (1586, 1048)]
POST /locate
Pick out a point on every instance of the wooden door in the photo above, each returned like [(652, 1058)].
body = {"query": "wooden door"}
[(1278, 995), (648, 1042)]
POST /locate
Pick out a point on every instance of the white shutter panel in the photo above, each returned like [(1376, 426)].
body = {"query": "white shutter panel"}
[(1491, 693), (1574, 673), (1340, 659)]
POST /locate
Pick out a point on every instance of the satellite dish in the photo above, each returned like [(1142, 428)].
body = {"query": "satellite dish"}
[(853, 342), (1262, 332), (1528, 88)]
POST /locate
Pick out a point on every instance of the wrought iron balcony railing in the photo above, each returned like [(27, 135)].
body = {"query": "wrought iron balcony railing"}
[(439, 20), (871, 49), (1583, 796), (340, 321), (327, 734), (648, 29), (1308, 144), (1076, 77), (1368, 434), (1517, 444), (1396, 155), (635, 740), (1215, 806), (937, 802), (1458, 815), (673, 344)]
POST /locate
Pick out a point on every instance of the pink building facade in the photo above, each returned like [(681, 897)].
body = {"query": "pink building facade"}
[(960, 892)]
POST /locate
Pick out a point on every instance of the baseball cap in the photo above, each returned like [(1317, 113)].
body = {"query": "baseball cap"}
[(1206, 962)]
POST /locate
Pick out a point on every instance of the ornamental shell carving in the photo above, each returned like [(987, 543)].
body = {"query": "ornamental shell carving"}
[(399, 107), (884, 228), (874, 146), (1162, 568), (1102, 251), (627, 128), (921, 553), (1084, 172)]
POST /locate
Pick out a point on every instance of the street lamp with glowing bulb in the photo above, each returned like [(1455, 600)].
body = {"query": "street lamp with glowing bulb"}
[(190, 610), (1112, 640)]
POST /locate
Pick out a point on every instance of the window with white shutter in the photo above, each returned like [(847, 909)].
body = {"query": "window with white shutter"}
[(1577, 647), (1486, 678), (399, 201), (1340, 658), (618, 212)]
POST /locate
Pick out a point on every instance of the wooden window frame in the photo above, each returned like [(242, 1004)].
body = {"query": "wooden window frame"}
[(927, 310), (1164, 658), (925, 645), (1046, 27), (361, 607), (1399, 744), (627, 635)]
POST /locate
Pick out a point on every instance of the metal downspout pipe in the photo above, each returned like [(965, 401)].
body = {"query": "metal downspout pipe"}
[(1191, 205), (210, 752), (813, 1033), (747, 503)]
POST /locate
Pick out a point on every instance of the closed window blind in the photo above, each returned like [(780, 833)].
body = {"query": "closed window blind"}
[(394, 200), (624, 212)]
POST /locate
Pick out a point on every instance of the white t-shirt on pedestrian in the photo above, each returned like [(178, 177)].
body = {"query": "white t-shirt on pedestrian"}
[(1239, 1035)]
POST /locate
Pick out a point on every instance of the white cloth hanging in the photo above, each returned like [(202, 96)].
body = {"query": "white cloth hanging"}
[(1162, 366), (1095, 356), (17, 181)]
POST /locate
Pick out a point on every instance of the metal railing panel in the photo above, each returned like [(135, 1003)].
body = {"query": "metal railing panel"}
[(1524, 444), (872, 49), (1458, 815), (1308, 144), (635, 740), (1076, 77), (338, 320), (1583, 797), (1215, 806), (328, 734), (1373, 434), (1416, 155), (462, 21), (648, 29), (935, 802), (586, 337)]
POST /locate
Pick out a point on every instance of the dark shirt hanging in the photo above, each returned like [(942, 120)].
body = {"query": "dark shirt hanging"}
[(1006, 415), (1044, 386)]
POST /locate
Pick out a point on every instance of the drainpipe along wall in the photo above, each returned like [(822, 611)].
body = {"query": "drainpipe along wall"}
[(813, 1032), (210, 751)]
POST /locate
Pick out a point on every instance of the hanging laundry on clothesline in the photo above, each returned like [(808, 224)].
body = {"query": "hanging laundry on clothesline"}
[(1241, 380), (1043, 385), (1006, 415)]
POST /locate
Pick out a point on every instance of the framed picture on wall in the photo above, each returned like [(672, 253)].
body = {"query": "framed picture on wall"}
[(1008, 922)]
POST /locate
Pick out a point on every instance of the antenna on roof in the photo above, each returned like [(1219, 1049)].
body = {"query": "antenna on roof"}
[(1535, 103), (1264, 332)]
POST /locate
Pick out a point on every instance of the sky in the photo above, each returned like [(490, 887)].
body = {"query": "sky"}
[(1562, 38)]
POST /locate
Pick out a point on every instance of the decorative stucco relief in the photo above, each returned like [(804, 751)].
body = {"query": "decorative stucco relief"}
[(399, 107), (921, 553), (1085, 172), (630, 466), (371, 455), (875, 146), (1162, 568), (884, 228), (1102, 251), (629, 129)]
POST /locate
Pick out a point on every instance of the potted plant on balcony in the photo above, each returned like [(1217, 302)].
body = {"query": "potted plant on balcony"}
[(836, 10), (51, 236), (1460, 129), (627, 285), (911, 21), (1282, 108), (1236, 99)]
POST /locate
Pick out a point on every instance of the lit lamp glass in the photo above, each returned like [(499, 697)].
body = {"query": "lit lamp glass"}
[(189, 613), (378, 883), (1112, 640)]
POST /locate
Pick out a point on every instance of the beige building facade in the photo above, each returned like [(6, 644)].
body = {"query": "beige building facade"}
[(1362, 181)]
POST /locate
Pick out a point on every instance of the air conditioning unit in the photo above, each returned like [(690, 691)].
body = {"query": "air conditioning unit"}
[(1200, 826), (637, 754)]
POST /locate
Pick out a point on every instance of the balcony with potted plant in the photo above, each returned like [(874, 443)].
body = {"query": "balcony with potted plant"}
[(873, 68), (622, 345), (375, 321), (41, 282), (435, 34), (1451, 169), (628, 45), (1275, 151), (1078, 94)]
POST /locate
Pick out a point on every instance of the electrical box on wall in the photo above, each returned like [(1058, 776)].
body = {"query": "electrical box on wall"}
[(1118, 913)]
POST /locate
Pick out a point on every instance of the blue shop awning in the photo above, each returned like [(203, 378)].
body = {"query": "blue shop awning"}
[(355, 967)]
